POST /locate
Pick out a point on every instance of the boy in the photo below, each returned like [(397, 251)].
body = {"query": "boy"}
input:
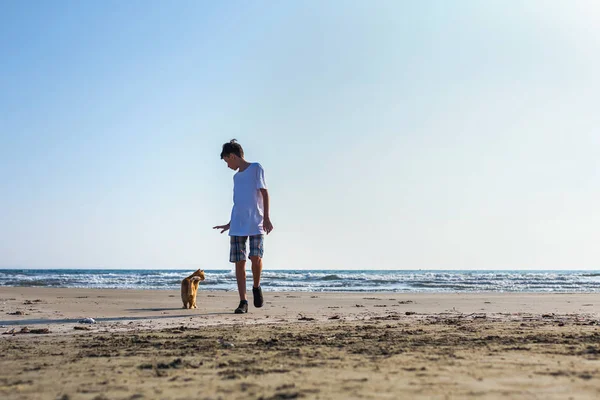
[(249, 218)]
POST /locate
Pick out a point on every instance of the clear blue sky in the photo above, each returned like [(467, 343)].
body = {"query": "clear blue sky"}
[(394, 134)]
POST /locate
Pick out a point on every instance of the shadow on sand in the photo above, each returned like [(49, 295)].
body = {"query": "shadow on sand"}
[(110, 319)]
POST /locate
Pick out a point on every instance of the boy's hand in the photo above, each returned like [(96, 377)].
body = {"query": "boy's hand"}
[(267, 225), (222, 227)]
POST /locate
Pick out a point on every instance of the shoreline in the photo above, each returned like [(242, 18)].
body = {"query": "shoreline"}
[(154, 309)]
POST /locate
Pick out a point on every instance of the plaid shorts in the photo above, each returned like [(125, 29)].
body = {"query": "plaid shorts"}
[(237, 251)]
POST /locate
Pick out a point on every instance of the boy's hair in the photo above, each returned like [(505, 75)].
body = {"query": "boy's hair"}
[(232, 147)]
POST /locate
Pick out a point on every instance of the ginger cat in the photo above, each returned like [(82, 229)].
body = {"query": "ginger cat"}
[(189, 288)]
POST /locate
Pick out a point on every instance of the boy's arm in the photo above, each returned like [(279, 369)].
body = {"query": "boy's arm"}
[(267, 225), (223, 227)]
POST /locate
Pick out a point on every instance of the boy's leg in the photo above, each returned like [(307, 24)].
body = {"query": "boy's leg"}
[(240, 275), (256, 254), (256, 270), (237, 255)]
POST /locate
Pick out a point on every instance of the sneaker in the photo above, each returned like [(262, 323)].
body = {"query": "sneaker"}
[(258, 297), (242, 308)]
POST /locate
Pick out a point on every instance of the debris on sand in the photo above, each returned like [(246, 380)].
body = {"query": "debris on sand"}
[(27, 330), (82, 328), (225, 344)]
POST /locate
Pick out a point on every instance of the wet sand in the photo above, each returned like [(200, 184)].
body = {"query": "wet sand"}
[(299, 345)]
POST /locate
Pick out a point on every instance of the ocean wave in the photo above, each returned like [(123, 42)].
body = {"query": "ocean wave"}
[(317, 280)]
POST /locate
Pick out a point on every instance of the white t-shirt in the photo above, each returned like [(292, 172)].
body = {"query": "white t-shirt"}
[(248, 209)]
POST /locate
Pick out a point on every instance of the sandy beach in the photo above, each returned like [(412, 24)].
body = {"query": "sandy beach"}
[(299, 345)]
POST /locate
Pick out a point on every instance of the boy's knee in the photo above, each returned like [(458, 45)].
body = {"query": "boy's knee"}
[(255, 259)]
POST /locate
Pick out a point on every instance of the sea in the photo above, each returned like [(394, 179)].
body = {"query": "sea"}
[(399, 281)]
